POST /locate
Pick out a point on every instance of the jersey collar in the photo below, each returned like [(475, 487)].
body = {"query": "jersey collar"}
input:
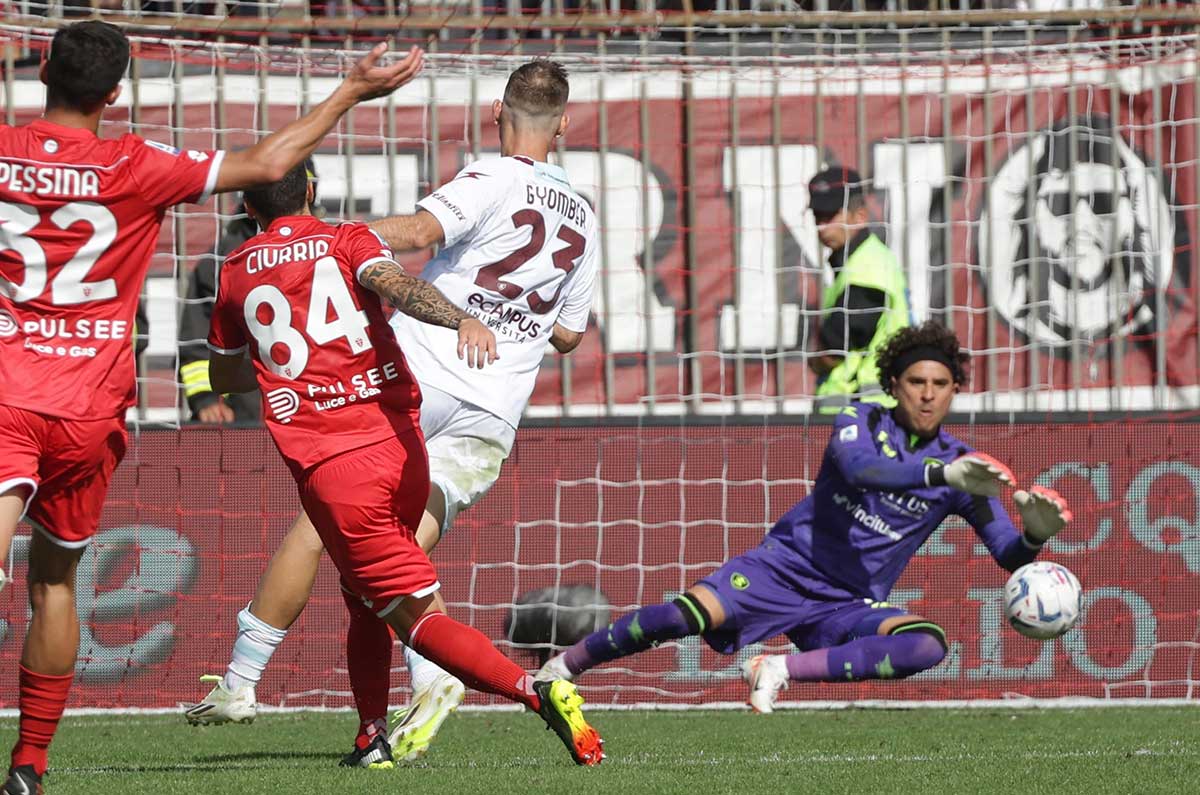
[(50, 128), (291, 220)]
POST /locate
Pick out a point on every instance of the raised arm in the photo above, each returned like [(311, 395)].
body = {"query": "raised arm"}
[(273, 156), (421, 300)]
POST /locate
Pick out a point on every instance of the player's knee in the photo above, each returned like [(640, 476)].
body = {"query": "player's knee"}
[(51, 596), (924, 647), (698, 617), (303, 536)]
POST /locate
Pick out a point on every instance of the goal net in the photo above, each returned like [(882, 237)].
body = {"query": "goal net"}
[(1037, 183)]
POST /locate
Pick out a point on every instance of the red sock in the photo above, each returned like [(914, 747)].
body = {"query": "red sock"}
[(42, 699), (369, 664), (469, 655)]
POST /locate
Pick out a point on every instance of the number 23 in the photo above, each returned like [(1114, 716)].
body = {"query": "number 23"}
[(490, 276)]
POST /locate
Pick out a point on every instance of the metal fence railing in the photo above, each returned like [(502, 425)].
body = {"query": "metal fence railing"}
[(1034, 172)]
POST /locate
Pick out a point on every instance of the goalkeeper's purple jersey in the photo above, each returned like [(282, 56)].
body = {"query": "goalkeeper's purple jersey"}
[(876, 499)]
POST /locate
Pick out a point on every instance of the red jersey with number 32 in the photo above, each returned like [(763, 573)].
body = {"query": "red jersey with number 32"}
[(79, 219), (332, 375)]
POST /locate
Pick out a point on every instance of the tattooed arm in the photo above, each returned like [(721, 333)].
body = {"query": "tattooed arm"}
[(422, 301)]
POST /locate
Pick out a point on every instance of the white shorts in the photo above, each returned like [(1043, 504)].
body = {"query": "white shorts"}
[(467, 446)]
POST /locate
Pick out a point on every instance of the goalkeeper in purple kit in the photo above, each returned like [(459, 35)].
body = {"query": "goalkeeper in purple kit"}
[(823, 573)]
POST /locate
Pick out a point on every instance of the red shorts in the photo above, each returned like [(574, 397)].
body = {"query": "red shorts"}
[(67, 465), (366, 505)]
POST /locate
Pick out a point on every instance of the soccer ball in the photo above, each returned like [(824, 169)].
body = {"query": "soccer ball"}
[(1041, 600)]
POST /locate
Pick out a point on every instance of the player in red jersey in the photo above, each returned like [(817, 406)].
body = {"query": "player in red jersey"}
[(79, 220), (303, 298)]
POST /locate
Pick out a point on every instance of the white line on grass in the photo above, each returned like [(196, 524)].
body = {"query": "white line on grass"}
[(1069, 702)]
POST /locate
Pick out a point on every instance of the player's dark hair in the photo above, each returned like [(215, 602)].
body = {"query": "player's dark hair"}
[(285, 197), (538, 88), (941, 343), (87, 61)]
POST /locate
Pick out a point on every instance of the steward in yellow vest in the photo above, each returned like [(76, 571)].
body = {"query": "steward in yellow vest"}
[(867, 301)]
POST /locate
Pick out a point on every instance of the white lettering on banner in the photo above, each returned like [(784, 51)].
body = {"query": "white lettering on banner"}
[(1098, 478), (994, 634), (909, 202), (158, 564), (1150, 533), (638, 319), (759, 316), (1141, 649)]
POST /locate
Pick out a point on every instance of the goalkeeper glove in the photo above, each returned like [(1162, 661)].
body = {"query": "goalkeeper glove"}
[(977, 473), (1043, 511)]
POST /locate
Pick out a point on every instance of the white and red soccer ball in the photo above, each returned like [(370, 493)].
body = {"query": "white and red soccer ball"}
[(1042, 600)]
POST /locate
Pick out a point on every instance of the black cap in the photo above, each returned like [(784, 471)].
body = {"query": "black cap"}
[(830, 190)]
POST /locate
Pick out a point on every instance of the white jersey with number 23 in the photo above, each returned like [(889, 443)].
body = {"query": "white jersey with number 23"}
[(520, 254)]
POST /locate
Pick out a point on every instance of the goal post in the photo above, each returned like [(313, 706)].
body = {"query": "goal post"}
[(1036, 182)]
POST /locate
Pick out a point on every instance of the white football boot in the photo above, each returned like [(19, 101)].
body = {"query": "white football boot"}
[(766, 675), (414, 729), (221, 705)]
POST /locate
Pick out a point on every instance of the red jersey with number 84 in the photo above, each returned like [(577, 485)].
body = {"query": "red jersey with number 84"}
[(79, 219), (332, 375)]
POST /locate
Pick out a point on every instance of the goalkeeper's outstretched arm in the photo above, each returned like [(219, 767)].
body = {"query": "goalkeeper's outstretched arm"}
[(1043, 512), (870, 462)]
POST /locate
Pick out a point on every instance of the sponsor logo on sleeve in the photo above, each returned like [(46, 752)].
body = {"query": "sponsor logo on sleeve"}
[(451, 206), (162, 147), (199, 157), (849, 433)]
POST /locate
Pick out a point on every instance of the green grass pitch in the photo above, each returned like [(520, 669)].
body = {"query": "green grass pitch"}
[(699, 753)]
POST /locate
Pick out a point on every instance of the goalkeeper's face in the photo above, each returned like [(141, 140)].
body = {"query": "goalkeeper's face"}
[(923, 393)]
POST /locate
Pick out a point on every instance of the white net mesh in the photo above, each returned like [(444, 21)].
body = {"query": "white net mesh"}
[(1037, 185)]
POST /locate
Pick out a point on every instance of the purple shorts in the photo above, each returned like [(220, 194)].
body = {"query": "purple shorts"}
[(763, 597)]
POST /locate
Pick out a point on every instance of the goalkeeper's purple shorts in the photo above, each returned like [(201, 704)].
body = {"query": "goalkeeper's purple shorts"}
[(763, 597)]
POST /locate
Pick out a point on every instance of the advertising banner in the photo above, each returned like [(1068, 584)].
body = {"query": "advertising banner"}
[(638, 513)]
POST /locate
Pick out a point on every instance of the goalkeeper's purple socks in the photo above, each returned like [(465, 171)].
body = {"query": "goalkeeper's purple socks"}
[(872, 657), (629, 634)]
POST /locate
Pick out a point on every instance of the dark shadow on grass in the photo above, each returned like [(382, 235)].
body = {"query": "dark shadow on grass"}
[(214, 763), (263, 756)]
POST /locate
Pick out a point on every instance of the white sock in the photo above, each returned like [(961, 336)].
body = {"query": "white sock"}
[(256, 642), (421, 671)]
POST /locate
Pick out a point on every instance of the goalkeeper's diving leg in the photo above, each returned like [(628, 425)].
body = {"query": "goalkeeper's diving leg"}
[(900, 646), (693, 613)]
